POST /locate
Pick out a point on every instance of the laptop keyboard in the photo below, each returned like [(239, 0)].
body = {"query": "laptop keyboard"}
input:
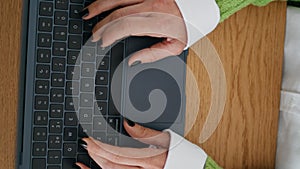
[(63, 97)]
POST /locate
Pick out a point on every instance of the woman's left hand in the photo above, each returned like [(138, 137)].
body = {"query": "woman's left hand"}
[(112, 157)]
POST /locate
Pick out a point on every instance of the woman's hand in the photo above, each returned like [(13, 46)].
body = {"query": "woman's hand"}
[(110, 157), (155, 18)]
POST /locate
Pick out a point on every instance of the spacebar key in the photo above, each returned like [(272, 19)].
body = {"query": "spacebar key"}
[(117, 56)]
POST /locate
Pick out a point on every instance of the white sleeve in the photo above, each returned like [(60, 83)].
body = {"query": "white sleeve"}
[(184, 154), (200, 16)]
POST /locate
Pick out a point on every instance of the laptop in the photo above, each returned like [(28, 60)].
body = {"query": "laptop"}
[(71, 88)]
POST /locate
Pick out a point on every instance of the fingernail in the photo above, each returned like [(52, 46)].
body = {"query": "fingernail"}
[(84, 13), (84, 146), (130, 123), (135, 63)]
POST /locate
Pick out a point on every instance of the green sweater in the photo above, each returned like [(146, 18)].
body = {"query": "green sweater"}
[(227, 8)]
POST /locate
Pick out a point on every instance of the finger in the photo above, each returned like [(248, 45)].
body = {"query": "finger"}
[(123, 155), (82, 166), (104, 163), (157, 52), (143, 24), (117, 14), (100, 6), (148, 136)]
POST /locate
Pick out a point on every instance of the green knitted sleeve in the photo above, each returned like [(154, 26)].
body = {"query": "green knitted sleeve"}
[(211, 164), (229, 7)]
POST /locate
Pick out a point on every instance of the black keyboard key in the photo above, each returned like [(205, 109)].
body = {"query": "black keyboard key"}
[(40, 134), (112, 140), (43, 71), (100, 108), (101, 136), (53, 167), (44, 40), (45, 24), (39, 149), (88, 25), (59, 49), (85, 116), (88, 54), (69, 163), (54, 157), (84, 159), (58, 64), (60, 18), (114, 123), (61, 4), (55, 126), (101, 93), (102, 63), (42, 87), (55, 142), (69, 149), (75, 10), (101, 78), (112, 110), (43, 55), (77, 1), (117, 55), (60, 33), (99, 123), (70, 119), (87, 84), (57, 95), (41, 118), (38, 163), (86, 100), (41, 102), (58, 80), (103, 51), (74, 42), (88, 70), (85, 130), (71, 103), (72, 88), (56, 110), (46, 9), (75, 27), (72, 58), (73, 72), (86, 41), (70, 134)]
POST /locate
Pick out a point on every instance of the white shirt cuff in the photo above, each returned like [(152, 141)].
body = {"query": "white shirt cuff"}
[(184, 154), (200, 16)]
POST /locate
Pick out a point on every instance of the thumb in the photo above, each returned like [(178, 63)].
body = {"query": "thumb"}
[(147, 135), (158, 51)]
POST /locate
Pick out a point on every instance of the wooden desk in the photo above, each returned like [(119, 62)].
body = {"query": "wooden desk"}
[(250, 45)]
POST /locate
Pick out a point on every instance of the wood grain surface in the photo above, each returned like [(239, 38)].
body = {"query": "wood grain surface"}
[(250, 45), (10, 19)]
